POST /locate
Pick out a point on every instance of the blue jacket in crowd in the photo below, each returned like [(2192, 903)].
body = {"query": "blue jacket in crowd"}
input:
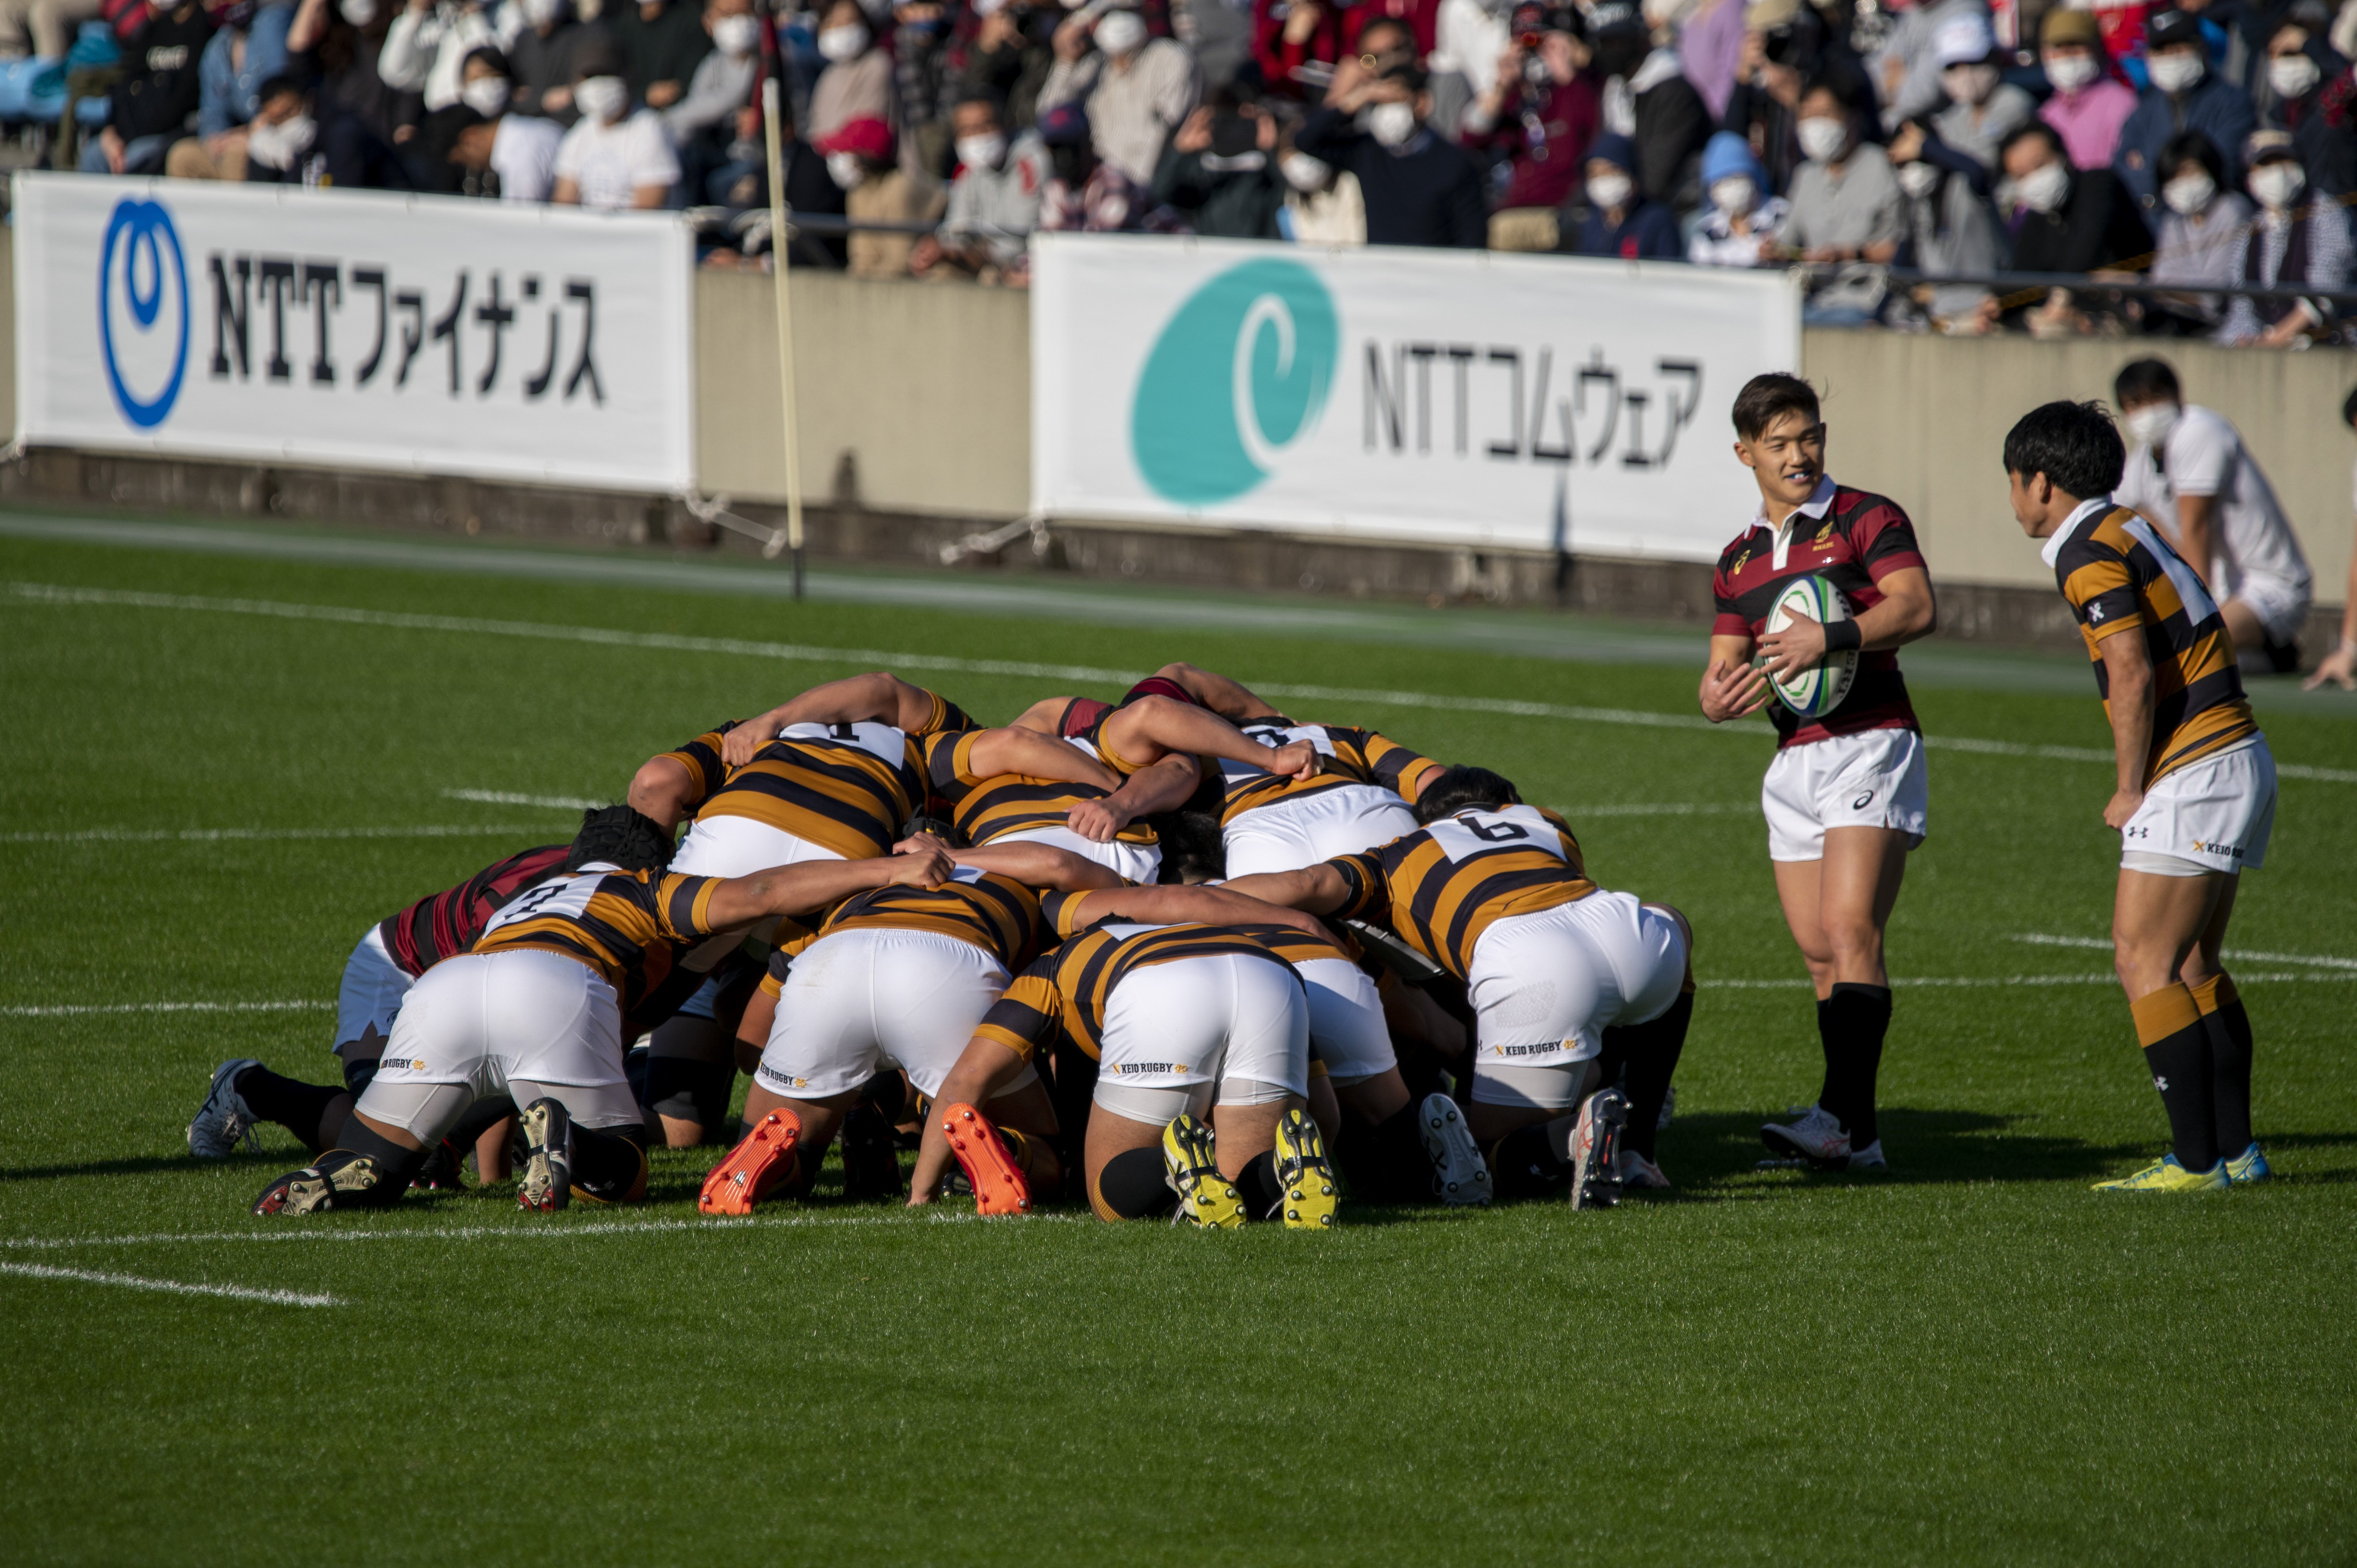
[(230, 95), (2214, 106)]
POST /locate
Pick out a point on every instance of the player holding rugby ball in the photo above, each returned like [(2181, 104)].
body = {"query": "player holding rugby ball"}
[(1845, 795)]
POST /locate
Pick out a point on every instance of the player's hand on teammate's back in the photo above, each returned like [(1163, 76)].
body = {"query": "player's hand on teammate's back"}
[(1095, 822), (1297, 760), (918, 842), (928, 866), (739, 745), (1800, 646)]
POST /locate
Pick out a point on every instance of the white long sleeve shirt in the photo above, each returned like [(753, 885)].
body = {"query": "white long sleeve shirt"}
[(425, 51)]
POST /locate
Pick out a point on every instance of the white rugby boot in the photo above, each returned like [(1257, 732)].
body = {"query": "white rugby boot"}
[(1818, 1138), (224, 1120), (1636, 1171), (1459, 1174), (1596, 1150), (1869, 1159)]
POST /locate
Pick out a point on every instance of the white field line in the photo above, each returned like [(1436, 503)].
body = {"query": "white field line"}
[(221, 836), (502, 798), (1666, 809), (75, 1010), (557, 1232), (1977, 981), (43, 593), (2103, 944), (170, 1287)]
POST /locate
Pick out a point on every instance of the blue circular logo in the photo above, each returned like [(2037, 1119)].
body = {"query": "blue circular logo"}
[(1239, 373), (143, 278)]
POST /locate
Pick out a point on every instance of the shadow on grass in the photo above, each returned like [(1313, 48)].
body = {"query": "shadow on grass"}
[(1924, 1146)]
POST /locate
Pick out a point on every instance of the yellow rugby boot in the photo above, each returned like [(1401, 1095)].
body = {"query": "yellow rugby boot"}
[(1190, 1168), (1304, 1174), (2164, 1175)]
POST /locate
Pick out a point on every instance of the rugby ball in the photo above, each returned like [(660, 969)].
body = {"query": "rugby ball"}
[(1813, 693)]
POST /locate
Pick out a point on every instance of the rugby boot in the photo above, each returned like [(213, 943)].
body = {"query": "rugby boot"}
[(1869, 1159), (224, 1121), (2248, 1167), (340, 1179), (1636, 1171), (755, 1165), (546, 1182), (1459, 1174), (1304, 1174), (2164, 1175), (1596, 1150), (440, 1173), (989, 1165), (1191, 1167), (1818, 1138), (871, 1167)]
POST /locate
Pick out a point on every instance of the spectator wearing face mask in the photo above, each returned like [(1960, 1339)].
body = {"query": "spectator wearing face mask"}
[(1322, 204), (295, 141), (857, 83), (1740, 231), (2201, 240), (662, 42), (1647, 99), (1983, 109), (153, 101), (2301, 70), (1786, 46), (2298, 239), (2064, 221), (1012, 51), (1085, 195), (612, 158), (1844, 208), (714, 123), (1906, 69), (248, 47), (2089, 105), (1622, 222), (427, 45), (920, 75), (1135, 90), (1539, 115), (478, 147), (335, 43), (543, 54), (2185, 95), (1220, 172), (1419, 189), (876, 188), (1949, 228), (994, 203)]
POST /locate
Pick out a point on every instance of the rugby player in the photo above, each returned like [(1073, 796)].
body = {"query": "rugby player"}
[(1494, 891), (1846, 796), (384, 964), (2196, 797), (534, 1012)]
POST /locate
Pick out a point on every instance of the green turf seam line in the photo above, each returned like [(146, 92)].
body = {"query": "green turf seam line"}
[(221, 836), (557, 1231), (171, 1287), (505, 797), (2103, 944), (43, 593)]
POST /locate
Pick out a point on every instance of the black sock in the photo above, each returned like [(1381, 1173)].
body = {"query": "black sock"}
[(297, 1107), (1852, 1021), (2177, 1053), (2230, 1064), (1131, 1184), (1257, 1185), (608, 1165), (1524, 1164), (688, 1091), (480, 1118), (1384, 1161), (394, 1165), (1652, 1049)]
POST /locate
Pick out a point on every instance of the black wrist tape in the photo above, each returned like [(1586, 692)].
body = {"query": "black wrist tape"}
[(1843, 636)]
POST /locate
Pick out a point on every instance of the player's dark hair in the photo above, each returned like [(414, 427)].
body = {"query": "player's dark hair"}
[(988, 100), (1455, 788), (281, 85), (2074, 445), (1765, 399), (619, 835), (2145, 381), (2043, 132), (2191, 148), (1192, 847)]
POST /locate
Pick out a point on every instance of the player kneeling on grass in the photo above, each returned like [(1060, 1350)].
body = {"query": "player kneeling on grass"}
[(2196, 798), (1494, 890), (535, 1012)]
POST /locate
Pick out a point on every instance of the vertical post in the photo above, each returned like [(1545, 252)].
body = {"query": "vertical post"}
[(778, 249)]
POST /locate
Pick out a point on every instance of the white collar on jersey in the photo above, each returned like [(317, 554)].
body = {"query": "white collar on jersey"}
[(2054, 541), (1820, 502)]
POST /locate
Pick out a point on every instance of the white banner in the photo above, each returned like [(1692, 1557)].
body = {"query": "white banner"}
[(1445, 397), (359, 330)]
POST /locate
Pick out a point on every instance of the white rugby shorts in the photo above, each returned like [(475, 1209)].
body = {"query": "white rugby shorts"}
[(371, 991), (1180, 1035), (525, 1023), (1545, 987), (1873, 779), (1347, 1031), (2215, 815), (738, 846), (1290, 833), (1140, 863), (858, 1001), (2281, 605)]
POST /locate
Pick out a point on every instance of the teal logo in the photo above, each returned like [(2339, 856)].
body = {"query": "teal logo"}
[(1239, 373)]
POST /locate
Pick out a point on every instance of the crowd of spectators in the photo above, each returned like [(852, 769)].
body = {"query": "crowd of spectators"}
[(2201, 147)]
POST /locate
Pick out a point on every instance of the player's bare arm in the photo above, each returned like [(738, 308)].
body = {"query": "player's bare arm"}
[(1152, 728), (879, 697), (1907, 611), (1731, 687), (1201, 906), (1231, 700), (1035, 756), (1040, 865), (2128, 668), (814, 885), (1317, 890), (986, 1067), (1163, 787)]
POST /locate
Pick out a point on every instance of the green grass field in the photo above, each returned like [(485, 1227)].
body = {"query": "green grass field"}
[(1972, 1358)]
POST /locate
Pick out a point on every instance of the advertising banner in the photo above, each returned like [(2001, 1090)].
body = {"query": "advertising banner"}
[(1447, 397), (427, 335)]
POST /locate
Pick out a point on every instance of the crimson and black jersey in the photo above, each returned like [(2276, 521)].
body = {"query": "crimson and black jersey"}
[(1083, 714), (1853, 539), (447, 924)]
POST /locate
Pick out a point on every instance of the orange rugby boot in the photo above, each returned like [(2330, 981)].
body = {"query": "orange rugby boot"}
[(760, 1161), (998, 1183)]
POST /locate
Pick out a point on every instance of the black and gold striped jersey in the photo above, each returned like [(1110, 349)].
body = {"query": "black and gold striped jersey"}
[(849, 788), (1344, 757), (1440, 887), (993, 911), (1068, 914), (628, 926), (2119, 575), (987, 808), (1065, 994), (701, 758)]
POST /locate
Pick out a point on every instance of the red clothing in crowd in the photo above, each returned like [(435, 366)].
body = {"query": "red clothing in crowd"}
[(1546, 155)]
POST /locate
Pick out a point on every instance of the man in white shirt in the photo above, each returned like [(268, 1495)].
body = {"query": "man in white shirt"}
[(2191, 475), (612, 158), (1135, 88)]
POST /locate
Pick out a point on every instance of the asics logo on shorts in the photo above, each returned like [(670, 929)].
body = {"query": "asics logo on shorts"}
[(1859, 804)]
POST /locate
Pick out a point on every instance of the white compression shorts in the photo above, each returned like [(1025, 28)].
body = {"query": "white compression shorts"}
[(525, 1023), (371, 992), (2215, 815), (1291, 833), (2280, 605), (1545, 987), (1140, 863), (1176, 1033), (858, 1001), (1873, 778), (738, 846), (1347, 1031)]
